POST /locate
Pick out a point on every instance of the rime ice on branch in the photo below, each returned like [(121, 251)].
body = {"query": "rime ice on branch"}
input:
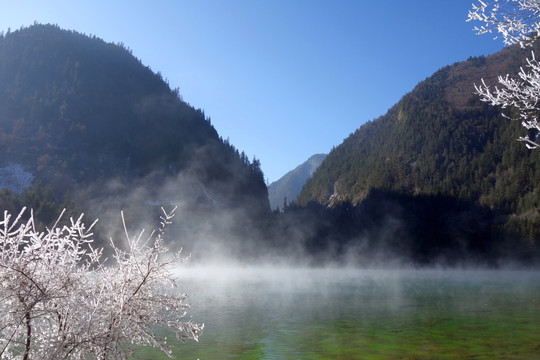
[(518, 21), (59, 300)]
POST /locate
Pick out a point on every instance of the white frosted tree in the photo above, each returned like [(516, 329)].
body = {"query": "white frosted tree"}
[(518, 22), (60, 300)]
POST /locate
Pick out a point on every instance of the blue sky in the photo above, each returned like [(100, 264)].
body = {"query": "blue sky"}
[(282, 79)]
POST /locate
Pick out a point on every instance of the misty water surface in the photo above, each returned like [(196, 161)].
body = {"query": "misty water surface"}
[(273, 313)]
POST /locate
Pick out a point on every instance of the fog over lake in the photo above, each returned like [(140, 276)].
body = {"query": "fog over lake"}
[(301, 313)]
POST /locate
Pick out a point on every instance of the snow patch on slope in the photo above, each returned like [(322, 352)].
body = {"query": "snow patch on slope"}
[(15, 178)]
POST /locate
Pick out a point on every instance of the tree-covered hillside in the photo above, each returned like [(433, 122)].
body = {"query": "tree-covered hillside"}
[(87, 119), (441, 140)]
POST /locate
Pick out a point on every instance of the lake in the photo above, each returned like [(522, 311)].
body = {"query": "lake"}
[(273, 313)]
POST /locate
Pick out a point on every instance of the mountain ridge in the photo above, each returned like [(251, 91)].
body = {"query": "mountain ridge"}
[(100, 131), (439, 176), (441, 140), (439, 93)]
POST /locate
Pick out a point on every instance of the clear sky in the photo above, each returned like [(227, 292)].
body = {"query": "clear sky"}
[(282, 79)]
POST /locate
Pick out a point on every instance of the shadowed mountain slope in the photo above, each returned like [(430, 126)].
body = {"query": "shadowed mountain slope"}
[(440, 140), (93, 126)]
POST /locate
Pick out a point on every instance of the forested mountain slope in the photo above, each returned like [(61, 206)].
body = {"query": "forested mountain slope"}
[(440, 140), (86, 119)]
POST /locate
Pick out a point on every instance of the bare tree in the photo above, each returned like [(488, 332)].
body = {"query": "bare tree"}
[(518, 22), (60, 300)]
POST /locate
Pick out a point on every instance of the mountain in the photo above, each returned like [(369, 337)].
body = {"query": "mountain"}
[(84, 125), (438, 145), (438, 139), (289, 186), (95, 128)]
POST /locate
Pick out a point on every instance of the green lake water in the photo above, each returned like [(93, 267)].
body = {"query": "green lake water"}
[(361, 314)]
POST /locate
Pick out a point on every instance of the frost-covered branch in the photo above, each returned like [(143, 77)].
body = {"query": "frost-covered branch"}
[(521, 93), (515, 20), (59, 300), (518, 21)]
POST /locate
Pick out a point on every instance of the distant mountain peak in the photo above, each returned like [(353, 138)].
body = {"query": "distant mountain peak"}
[(289, 185)]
